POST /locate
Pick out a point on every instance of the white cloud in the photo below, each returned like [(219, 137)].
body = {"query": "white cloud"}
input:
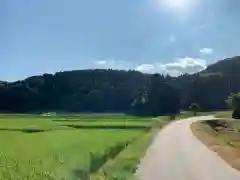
[(185, 65), (101, 62), (206, 51), (147, 68), (179, 66)]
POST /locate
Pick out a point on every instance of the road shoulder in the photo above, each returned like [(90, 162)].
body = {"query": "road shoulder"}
[(223, 142)]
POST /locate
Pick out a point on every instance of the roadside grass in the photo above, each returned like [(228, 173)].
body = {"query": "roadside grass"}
[(124, 166), (223, 114), (221, 136)]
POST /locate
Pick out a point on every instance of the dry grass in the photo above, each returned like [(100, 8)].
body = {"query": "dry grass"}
[(223, 137)]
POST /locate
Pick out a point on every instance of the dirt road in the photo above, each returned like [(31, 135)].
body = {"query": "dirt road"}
[(176, 154)]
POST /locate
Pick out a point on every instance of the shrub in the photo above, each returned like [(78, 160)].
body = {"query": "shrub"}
[(194, 107), (233, 102), (236, 114)]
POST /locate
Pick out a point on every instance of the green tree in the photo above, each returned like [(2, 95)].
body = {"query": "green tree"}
[(233, 102), (194, 107)]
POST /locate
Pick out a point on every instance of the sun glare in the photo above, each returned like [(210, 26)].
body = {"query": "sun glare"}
[(177, 5)]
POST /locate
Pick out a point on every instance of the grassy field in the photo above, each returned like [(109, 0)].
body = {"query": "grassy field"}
[(48, 147), (71, 146)]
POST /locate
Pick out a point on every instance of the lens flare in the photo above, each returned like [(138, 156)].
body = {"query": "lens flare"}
[(177, 5)]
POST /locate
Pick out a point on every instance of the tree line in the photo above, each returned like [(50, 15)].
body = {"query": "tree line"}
[(122, 91), (91, 91)]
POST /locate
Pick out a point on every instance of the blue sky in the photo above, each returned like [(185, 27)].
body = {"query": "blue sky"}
[(182, 36)]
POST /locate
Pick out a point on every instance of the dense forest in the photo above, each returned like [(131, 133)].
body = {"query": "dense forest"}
[(122, 91)]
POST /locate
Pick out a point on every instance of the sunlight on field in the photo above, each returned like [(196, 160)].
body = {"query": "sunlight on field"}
[(33, 145)]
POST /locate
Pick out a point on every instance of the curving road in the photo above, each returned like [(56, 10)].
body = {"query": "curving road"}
[(176, 154)]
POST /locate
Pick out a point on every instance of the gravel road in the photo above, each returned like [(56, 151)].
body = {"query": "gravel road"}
[(176, 154)]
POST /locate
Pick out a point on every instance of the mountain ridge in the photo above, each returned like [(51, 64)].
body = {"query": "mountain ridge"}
[(116, 90)]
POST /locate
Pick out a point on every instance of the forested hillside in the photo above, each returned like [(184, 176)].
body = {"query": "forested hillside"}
[(122, 91), (211, 87), (91, 91)]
